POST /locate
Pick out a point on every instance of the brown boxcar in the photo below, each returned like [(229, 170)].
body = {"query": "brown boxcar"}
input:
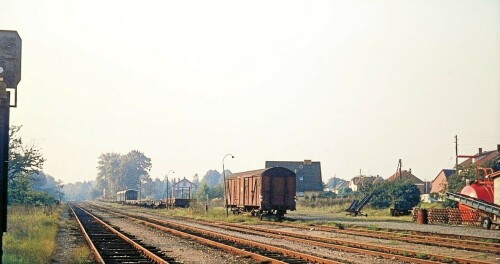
[(262, 192)]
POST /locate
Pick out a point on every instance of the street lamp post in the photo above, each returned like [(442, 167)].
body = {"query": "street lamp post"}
[(224, 177), (166, 176)]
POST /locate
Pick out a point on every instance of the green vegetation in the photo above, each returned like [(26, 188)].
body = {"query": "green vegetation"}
[(81, 255), (422, 256), (390, 193), (118, 172), (25, 177), (31, 234)]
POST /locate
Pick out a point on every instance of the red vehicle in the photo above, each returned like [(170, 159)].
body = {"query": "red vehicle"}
[(262, 192)]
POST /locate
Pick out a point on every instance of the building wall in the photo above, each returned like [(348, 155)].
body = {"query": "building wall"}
[(439, 183), (184, 189), (353, 186)]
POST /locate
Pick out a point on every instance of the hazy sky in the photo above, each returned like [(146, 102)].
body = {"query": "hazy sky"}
[(352, 84)]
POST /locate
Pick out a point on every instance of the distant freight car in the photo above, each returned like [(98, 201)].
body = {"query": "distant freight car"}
[(262, 192), (126, 196)]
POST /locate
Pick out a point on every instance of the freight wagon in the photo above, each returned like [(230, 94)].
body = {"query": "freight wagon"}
[(269, 192)]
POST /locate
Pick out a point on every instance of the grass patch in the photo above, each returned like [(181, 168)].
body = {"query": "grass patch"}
[(31, 234), (422, 256), (81, 255)]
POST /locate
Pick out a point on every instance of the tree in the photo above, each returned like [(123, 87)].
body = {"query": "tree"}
[(135, 166), (108, 175), (24, 161), (344, 192), (117, 172), (388, 193), (212, 177), (196, 179), (203, 192)]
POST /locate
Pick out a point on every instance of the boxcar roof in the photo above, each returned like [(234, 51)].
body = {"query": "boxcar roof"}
[(259, 172), (246, 173)]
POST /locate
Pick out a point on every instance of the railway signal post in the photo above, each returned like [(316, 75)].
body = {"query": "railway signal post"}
[(10, 75)]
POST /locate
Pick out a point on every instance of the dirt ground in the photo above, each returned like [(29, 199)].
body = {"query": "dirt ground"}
[(69, 240)]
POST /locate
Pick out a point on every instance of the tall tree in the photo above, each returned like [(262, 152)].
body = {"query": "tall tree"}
[(24, 160), (212, 177), (196, 179), (109, 175), (135, 166)]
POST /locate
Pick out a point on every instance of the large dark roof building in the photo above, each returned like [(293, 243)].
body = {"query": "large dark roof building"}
[(308, 173)]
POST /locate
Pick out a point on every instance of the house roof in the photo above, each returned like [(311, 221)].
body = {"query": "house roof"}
[(363, 179), (406, 176), (481, 159), (308, 173), (447, 173), (340, 185), (332, 182)]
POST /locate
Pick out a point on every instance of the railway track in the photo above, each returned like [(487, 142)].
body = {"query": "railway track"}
[(426, 238), (340, 244), (258, 251), (336, 244), (108, 245)]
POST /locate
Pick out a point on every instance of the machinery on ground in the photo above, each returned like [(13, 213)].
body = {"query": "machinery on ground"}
[(480, 196), (356, 206)]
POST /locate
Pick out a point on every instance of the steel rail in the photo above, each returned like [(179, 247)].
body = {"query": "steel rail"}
[(93, 249), (362, 248), (367, 249), (330, 241), (172, 228), (153, 257), (427, 240)]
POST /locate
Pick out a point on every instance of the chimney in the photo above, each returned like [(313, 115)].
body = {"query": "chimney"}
[(307, 162), (480, 151), (498, 148)]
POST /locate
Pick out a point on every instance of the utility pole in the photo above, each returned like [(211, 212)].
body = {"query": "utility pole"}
[(456, 153), (398, 169), (10, 76)]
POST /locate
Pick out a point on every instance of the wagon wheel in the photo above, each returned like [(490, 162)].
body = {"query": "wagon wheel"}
[(486, 223), (279, 215)]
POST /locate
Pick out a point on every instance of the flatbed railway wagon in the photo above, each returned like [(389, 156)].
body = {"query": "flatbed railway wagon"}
[(126, 196), (264, 192)]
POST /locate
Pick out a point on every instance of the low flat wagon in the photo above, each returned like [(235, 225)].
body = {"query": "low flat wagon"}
[(269, 192)]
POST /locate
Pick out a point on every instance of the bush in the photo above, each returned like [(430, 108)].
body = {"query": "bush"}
[(389, 193), (31, 235)]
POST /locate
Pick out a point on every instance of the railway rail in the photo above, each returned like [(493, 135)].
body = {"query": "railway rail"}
[(108, 245), (339, 244), (331, 243), (259, 251), (426, 238)]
